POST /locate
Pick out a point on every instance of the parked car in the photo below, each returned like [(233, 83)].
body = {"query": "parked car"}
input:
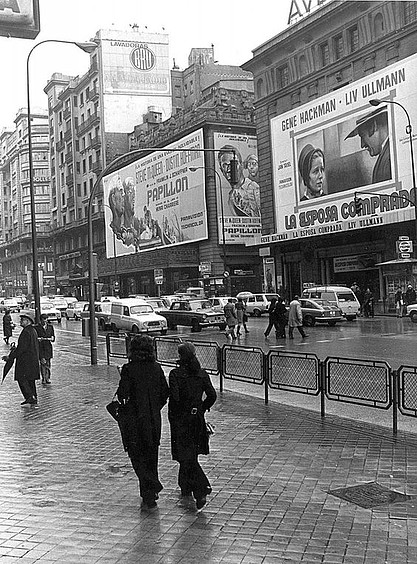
[(102, 313), (195, 313), (218, 303), (412, 312), (61, 304), (11, 304), (256, 304), (158, 304), (341, 296), (320, 311), (48, 309), (75, 309), (134, 315)]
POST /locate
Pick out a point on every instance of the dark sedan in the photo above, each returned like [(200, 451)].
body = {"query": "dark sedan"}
[(320, 311)]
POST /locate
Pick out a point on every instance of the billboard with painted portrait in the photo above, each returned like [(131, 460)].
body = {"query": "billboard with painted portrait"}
[(339, 145)]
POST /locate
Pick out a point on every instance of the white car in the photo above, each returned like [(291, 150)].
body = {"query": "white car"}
[(136, 316), (11, 304), (412, 312), (218, 303), (158, 304), (48, 309), (74, 310)]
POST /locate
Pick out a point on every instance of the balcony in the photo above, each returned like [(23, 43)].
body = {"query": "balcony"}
[(70, 201), (60, 145), (95, 142), (88, 123), (93, 95), (69, 180), (68, 135), (96, 166), (68, 157), (66, 113)]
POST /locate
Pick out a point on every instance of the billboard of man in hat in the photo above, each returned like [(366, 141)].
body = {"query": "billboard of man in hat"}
[(374, 134)]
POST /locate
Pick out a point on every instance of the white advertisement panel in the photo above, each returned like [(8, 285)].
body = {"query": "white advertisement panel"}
[(156, 201), (339, 145), (241, 204)]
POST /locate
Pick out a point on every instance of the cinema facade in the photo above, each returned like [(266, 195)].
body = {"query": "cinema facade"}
[(313, 87)]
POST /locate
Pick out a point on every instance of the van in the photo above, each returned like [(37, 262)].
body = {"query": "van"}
[(343, 297), (256, 304), (133, 315)]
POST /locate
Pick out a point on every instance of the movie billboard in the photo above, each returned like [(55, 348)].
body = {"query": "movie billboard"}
[(239, 207), (338, 146), (156, 201)]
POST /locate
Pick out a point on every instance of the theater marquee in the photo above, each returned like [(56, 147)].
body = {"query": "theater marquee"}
[(322, 157)]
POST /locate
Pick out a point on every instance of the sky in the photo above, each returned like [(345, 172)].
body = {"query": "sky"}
[(234, 27)]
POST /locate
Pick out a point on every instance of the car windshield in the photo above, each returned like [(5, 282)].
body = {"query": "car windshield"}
[(47, 306), (346, 297), (140, 309), (203, 304), (156, 303)]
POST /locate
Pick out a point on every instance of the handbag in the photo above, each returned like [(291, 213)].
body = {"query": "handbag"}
[(114, 408)]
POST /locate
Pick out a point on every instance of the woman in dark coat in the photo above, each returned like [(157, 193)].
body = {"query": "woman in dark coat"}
[(187, 385), (144, 388), (7, 326)]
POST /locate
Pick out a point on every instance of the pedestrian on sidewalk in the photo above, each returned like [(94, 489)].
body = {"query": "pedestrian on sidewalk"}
[(281, 317), (399, 302), (368, 303), (26, 356), (187, 385), (8, 326), (295, 318), (231, 318), (46, 336), (273, 321), (242, 318), (143, 385)]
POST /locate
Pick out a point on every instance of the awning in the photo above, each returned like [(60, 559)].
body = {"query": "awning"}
[(397, 261)]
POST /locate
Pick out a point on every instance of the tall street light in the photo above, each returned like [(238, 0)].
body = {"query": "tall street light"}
[(409, 131), (194, 169), (88, 47)]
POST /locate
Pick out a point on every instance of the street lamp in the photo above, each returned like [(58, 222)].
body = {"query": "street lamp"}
[(194, 169), (88, 47), (409, 131)]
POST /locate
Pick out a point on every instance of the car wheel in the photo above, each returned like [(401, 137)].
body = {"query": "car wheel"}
[(135, 329), (195, 326), (413, 316), (332, 323), (309, 321), (257, 313), (164, 331), (114, 328), (59, 320), (171, 325), (222, 327), (102, 325)]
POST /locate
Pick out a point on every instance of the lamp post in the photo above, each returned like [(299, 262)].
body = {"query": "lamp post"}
[(409, 131), (88, 47), (194, 169)]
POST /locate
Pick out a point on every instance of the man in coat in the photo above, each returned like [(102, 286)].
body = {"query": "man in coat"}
[(295, 318), (26, 356), (231, 318)]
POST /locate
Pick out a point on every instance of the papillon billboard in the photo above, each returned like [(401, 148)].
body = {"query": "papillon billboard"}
[(338, 146)]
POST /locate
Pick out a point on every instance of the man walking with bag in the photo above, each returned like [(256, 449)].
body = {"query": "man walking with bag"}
[(46, 336), (295, 318)]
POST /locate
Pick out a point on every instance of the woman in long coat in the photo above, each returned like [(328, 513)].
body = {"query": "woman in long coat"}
[(187, 385), (144, 389)]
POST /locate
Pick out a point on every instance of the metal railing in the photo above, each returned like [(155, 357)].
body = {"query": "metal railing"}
[(369, 383)]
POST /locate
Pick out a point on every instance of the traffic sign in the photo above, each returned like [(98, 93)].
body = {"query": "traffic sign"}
[(226, 274)]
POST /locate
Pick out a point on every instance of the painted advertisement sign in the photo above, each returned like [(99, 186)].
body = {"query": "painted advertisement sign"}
[(339, 145), (240, 205), (135, 63), (156, 201), (19, 18)]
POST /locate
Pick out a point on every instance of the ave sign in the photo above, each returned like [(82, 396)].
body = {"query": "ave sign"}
[(300, 8), (19, 18)]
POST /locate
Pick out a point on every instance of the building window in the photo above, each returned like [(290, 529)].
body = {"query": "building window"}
[(74, 101), (260, 90), (410, 12), (379, 26), (353, 36), (324, 54), (338, 47), (81, 99), (177, 91), (283, 77)]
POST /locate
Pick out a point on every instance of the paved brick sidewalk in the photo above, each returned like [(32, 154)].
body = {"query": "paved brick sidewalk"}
[(68, 493)]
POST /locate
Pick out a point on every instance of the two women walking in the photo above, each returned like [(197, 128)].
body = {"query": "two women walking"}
[(143, 387)]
